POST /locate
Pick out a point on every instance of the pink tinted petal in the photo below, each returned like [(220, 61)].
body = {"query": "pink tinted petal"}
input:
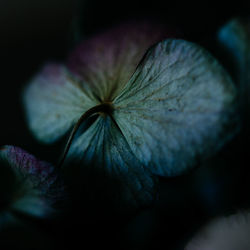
[(26, 164), (39, 174), (107, 61)]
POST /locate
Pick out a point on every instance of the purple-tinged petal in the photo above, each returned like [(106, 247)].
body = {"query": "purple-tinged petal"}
[(54, 101), (25, 164), (107, 61), (37, 188)]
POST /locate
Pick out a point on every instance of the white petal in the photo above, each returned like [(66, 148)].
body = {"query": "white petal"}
[(114, 172), (54, 102), (227, 233), (174, 110)]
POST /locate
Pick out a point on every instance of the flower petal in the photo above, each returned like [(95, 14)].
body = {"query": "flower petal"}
[(106, 62), (110, 168), (234, 38), (174, 110), (226, 233), (54, 101), (37, 187)]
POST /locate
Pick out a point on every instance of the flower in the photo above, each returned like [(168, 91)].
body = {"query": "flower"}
[(28, 186), (225, 233), (149, 114), (234, 38)]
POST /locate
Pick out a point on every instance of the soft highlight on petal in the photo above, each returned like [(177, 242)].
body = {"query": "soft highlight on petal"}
[(54, 100), (107, 61), (176, 108)]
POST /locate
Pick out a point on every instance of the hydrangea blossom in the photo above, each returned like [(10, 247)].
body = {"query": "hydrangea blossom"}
[(28, 186), (153, 108)]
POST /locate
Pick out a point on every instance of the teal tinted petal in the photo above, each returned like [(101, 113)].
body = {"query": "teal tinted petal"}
[(175, 109), (103, 152), (33, 205), (35, 186), (234, 38), (54, 100)]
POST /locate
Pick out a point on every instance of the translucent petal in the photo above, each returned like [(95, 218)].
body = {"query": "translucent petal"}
[(54, 101), (225, 233), (35, 187), (109, 166), (107, 61), (177, 108)]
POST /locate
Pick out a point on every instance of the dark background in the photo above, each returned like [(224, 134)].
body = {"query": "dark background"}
[(33, 32)]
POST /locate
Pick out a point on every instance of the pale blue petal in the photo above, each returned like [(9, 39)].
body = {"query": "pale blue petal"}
[(54, 100), (175, 109)]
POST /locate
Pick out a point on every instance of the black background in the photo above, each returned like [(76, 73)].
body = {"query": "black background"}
[(33, 32)]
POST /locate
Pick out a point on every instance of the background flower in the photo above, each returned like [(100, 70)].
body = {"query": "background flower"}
[(224, 233), (234, 39), (28, 187)]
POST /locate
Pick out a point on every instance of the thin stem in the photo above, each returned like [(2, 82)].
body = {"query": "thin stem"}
[(104, 107)]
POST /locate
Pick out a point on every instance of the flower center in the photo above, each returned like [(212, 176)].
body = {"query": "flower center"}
[(105, 108)]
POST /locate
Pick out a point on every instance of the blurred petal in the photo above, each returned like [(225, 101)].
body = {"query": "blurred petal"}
[(106, 62), (227, 233), (234, 37), (7, 219), (54, 101), (32, 205), (37, 186), (116, 174), (177, 108)]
